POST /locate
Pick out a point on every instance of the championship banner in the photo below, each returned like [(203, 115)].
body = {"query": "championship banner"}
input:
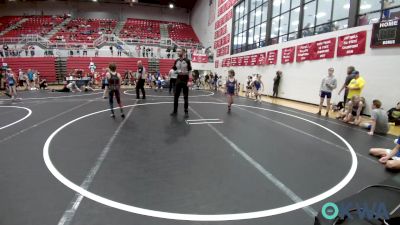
[(324, 49), (240, 61), (288, 55), (272, 57), (246, 60), (303, 52), (261, 59), (234, 61), (199, 58), (352, 44)]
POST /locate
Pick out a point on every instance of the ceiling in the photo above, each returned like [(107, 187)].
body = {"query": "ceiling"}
[(187, 4)]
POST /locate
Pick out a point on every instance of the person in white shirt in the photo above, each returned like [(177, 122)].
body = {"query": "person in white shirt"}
[(172, 80)]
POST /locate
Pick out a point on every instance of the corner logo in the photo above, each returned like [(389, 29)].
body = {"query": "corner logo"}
[(349, 210)]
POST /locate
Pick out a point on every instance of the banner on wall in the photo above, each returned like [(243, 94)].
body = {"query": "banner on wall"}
[(288, 55), (352, 44), (199, 58), (324, 49), (272, 57), (304, 52)]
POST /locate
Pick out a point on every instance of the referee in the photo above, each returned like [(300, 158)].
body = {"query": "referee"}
[(140, 79), (183, 68)]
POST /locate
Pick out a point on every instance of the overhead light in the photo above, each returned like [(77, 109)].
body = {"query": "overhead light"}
[(171, 5), (94, 0), (365, 6), (321, 14)]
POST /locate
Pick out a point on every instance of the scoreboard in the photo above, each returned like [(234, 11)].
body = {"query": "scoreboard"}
[(386, 34)]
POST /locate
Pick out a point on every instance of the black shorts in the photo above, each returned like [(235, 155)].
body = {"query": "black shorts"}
[(326, 94), (103, 86), (21, 82)]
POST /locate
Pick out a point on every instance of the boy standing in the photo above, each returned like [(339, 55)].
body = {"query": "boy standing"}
[(328, 84)]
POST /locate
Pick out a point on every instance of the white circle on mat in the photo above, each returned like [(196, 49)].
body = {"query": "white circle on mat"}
[(23, 118), (200, 217)]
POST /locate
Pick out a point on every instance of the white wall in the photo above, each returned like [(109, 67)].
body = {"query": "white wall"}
[(94, 10), (199, 21), (301, 81)]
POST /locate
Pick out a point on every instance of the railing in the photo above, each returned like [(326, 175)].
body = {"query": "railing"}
[(104, 38)]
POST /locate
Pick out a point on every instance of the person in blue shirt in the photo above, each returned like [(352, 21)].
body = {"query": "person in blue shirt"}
[(11, 81), (31, 82), (389, 157), (231, 88)]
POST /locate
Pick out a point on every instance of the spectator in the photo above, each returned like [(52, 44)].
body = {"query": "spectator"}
[(21, 79), (350, 77), (356, 85), (277, 80), (112, 50), (43, 84), (32, 50), (84, 49), (172, 80), (354, 109), (119, 50), (328, 84), (96, 52), (31, 83), (394, 114), (144, 51), (380, 122), (5, 49), (389, 157)]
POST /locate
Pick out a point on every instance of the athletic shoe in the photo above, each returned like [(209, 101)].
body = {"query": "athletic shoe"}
[(123, 115), (112, 116), (327, 114), (173, 114), (318, 113), (186, 114)]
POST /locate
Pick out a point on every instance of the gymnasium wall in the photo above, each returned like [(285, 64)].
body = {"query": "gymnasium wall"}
[(199, 20), (301, 81), (94, 10)]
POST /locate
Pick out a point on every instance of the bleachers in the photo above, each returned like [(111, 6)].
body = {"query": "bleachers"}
[(35, 25), (84, 30), (141, 29), (7, 21), (45, 66), (181, 32), (166, 65), (123, 64)]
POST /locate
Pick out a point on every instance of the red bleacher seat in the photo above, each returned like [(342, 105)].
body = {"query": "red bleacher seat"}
[(45, 66), (6, 21), (166, 65), (141, 29), (35, 25), (84, 30), (181, 32)]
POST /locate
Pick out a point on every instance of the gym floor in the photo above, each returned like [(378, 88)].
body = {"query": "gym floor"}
[(259, 164)]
